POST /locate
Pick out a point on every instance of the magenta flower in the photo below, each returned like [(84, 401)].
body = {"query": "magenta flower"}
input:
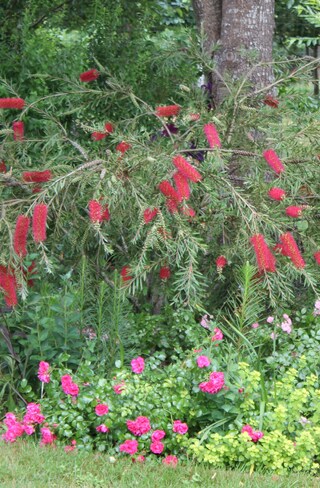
[(137, 365), (157, 447), (214, 385), (101, 409), (170, 460), (218, 336), (43, 372), (180, 427), (139, 426), (129, 446), (102, 428), (157, 435), (68, 387), (203, 361)]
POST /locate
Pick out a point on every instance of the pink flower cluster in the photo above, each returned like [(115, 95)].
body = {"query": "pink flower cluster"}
[(203, 361), (33, 414), (137, 365), (68, 386), (218, 336), (157, 435), (180, 427), (286, 324), (214, 385), (47, 437), (156, 447), (102, 428), (139, 426), (254, 434), (43, 372), (129, 446), (118, 389), (101, 409), (14, 428), (317, 308), (170, 460)]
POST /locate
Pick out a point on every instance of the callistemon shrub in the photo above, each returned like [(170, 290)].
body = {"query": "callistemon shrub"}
[(175, 186)]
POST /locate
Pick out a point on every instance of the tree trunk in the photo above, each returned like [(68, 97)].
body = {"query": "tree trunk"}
[(245, 36)]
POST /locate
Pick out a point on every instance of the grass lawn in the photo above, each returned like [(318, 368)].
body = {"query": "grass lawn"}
[(24, 465)]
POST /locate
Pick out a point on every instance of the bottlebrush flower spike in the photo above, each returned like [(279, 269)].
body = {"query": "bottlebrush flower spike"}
[(125, 273), (182, 186), (149, 214), (221, 262), (123, 147), (3, 167), (18, 130), (90, 75), (172, 205), (212, 135), (279, 249), (108, 127), (17, 103), (95, 211), (294, 211), (37, 176), (165, 273), (188, 211), (9, 286), (186, 169), (39, 222), (265, 259), (168, 191), (291, 250), (277, 193), (106, 213), (273, 161), (272, 102), (168, 110), (98, 136), (20, 235), (317, 257)]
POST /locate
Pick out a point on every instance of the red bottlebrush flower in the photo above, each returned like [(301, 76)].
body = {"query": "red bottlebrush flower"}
[(172, 205), (37, 176), (108, 128), (90, 75), (317, 257), (39, 222), (277, 193), (95, 211), (273, 161), (3, 167), (221, 262), (182, 186), (17, 103), (164, 273), (123, 147), (20, 235), (125, 273), (31, 271), (186, 169), (265, 259), (194, 117), (149, 215), (98, 136), (9, 286), (291, 250), (272, 102), (18, 130), (106, 213), (168, 110), (294, 211), (188, 211), (212, 135), (279, 249), (167, 189)]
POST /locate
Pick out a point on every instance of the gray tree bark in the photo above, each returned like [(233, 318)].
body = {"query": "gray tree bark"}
[(245, 37)]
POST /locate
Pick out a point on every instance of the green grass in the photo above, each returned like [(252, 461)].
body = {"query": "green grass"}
[(24, 465)]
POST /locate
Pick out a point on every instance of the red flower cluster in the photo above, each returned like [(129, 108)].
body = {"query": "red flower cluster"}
[(3, 167), (17, 103), (188, 211), (97, 212), (265, 259), (37, 176), (98, 136), (68, 386), (273, 161), (172, 205), (214, 385), (290, 249), (317, 257), (168, 110), (39, 222), (276, 193), (124, 273), (187, 170), (168, 191), (164, 273), (272, 102), (221, 262), (123, 147), (212, 135), (294, 211), (182, 186), (149, 214), (88, 76), (20, 235), (18, 130), (9, 286)]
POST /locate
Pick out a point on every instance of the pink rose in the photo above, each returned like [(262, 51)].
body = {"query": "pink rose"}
[(102, 428), (158, 435), (137, 365), (47, 437), (139, 426), (101, 409), (180, 427), (29, 429), (68, 387), (118, 389), (214, 385), (170, 460), (43, 372), (255, 325), (129, 446), (218, 336), (157, 447), (254, 434), (203, 361), (270, 320), (33, 414)]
